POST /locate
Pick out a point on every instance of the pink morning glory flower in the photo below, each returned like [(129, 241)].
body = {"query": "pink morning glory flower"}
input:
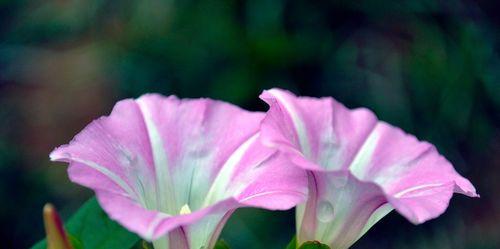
[(359, 168), (174, 170)]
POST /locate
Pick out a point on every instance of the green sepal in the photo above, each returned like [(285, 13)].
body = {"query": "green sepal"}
[(313, 245)]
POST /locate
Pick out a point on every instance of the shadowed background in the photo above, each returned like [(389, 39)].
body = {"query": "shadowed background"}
[(430, 67)]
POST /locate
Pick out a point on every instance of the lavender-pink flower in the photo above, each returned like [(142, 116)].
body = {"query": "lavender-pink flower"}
[(359, 168), (174, 170)]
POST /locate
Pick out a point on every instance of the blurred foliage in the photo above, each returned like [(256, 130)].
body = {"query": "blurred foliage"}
[(431, 67)]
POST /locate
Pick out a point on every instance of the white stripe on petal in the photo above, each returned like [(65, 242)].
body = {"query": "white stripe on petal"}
[(361, 161), (297, 122), (166, 199), (222, 179), (105, 171), (153, 224), (419, 187), (271, 192), (378, 214)]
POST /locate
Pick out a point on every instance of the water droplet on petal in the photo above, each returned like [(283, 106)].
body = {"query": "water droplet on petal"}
[(325, 211)]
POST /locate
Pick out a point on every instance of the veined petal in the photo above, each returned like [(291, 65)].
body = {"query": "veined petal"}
[(199, 226), (319, 133), (340, 209), (162, 165), (270, 184), (324, 137), (105, 156), (417, 180)]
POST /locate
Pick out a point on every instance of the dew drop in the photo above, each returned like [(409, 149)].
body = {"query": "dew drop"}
[(325, 211)]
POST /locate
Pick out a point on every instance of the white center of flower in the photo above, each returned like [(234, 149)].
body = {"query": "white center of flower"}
[(185, 209)]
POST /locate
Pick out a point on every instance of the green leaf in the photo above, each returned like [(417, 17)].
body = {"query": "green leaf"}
[(292, 244), (76, 243), (221, 244), (313, 245), (90, 228)]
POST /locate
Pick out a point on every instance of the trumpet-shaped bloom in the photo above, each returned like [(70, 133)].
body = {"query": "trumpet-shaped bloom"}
[(359, 168), (174, 170)]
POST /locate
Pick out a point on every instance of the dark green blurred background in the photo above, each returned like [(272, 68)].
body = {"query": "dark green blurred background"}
[(431, 67)]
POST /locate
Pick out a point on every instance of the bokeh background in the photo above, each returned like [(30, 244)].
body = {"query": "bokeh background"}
[(430, 67)]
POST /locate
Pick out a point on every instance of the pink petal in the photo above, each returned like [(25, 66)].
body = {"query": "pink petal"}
[(152, 225), (324, 136), (319, 133), (156, 157), (106, 142), (418, 181), (340, 209), (272, 184)]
